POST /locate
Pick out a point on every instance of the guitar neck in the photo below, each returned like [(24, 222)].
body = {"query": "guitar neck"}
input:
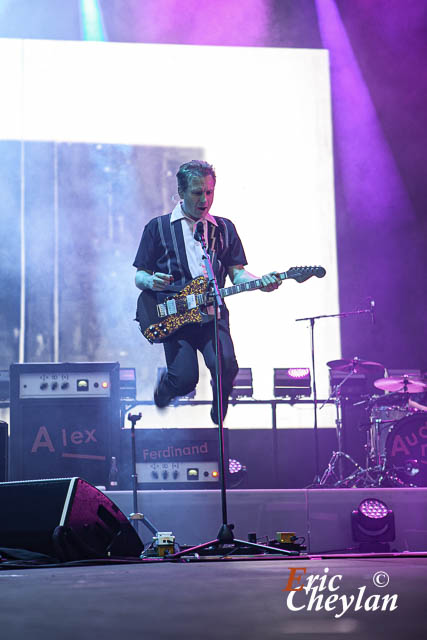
[(247, 286)]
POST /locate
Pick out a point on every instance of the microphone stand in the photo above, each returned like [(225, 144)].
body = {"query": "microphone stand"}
[(136, 517), (317, 480), (225, 534)]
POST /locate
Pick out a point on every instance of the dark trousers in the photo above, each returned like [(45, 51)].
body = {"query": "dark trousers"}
[(181, 359)]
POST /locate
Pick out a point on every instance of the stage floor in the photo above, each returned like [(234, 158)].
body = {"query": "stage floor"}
[(229, 599), (321, 516), (361, 596)]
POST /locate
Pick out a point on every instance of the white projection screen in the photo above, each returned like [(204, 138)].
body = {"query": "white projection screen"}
[(262, 117)]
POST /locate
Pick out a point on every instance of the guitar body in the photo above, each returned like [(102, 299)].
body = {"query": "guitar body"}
[(155, 329), (160, 314)]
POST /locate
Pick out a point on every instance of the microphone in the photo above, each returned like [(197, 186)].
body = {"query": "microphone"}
[(198, 233), (372, 310)]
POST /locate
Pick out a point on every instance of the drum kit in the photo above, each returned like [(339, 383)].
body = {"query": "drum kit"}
[(396, 428)]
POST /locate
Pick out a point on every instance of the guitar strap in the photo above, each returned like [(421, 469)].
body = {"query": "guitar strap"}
[(174, 253), (214, 240), (177, 252), (218, 237)]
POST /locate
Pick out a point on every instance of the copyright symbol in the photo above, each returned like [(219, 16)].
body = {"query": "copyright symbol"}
[(381, 579)]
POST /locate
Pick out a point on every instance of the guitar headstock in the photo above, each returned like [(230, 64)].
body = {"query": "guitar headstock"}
[(301, 274)]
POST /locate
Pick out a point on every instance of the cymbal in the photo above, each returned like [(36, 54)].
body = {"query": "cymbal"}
[(355, 364), (400, 384)]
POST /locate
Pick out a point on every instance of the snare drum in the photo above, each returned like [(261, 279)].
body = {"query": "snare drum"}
[(406, 449)]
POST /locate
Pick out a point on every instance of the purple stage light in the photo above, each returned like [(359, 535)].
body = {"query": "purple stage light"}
[(292, 382), (372, 525), (234, 466), (373, 509), (299, 373), (237, 473)]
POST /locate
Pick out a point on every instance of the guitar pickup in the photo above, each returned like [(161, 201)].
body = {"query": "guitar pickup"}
[(191, 301), (171, 306), (161, 310)]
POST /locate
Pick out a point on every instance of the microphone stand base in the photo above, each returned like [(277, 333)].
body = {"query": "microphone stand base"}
[(226, 545)]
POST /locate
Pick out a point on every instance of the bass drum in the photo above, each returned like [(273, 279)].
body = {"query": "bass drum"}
[(406, 449)]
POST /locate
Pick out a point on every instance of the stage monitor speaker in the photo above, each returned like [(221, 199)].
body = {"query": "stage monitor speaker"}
[(65, 518), (64, 420)]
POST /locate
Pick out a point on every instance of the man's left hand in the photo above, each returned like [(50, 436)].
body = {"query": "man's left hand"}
[(271, 281)]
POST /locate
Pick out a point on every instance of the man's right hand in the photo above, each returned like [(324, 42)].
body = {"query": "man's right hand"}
[(160, 281)]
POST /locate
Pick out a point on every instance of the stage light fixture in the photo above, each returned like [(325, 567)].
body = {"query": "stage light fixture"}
[(372, 525), (292, 382), (234, 466), (127, 383), (243, 384), (236, 473)]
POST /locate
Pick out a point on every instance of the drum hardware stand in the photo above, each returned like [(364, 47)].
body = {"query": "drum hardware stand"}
[(317, 480), (337, 456), (376, 473), (137, 517), (376, 476), (370, 476), (225, 537)]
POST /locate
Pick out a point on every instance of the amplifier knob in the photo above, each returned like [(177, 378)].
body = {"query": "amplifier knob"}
[(155, 475), (44, 386), (165, 474), (65, 385)]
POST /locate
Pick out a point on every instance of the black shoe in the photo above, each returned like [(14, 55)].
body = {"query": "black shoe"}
[(161, 401), (214, 411)]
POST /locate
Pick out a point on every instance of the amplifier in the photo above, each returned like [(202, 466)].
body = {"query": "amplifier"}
[(354, 387), (172, 458), (64, 420)]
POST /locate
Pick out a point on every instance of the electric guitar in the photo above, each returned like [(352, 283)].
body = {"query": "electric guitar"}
[(160, 314)]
